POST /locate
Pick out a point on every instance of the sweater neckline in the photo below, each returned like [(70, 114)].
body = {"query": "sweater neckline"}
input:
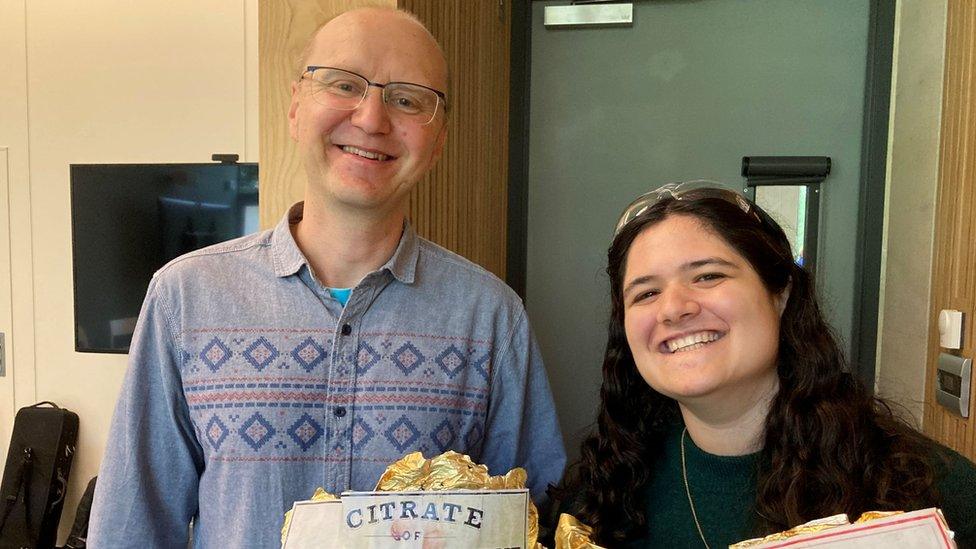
[(701, 462)]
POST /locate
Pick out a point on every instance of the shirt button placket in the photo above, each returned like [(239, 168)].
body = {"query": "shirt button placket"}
[(339, 416)]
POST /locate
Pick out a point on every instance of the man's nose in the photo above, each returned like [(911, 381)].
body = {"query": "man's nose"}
[(676, 304), (371, 115)]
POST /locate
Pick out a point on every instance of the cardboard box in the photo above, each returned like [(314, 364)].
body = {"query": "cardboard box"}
[(493, 519), (924, 529)]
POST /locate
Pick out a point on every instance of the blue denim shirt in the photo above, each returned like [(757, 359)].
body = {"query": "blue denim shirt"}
[(249, 386)]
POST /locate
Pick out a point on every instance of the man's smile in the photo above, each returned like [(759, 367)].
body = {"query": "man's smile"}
[(365, 153)]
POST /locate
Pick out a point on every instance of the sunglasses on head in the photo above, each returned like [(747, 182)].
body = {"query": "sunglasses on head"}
[(685, 190)]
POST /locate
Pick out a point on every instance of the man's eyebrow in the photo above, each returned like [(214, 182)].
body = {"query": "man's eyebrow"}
[(690, 266)]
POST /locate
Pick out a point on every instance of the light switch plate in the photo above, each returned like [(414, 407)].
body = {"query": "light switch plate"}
[(953, 385), (950, 329)]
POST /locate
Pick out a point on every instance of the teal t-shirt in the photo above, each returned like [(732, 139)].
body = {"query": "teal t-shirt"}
[(340, 294)]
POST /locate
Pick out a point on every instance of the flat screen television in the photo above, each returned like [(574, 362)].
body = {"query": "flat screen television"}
[(128, 220)]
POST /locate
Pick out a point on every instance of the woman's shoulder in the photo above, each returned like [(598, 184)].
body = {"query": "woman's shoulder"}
[(952, 469), (956, 478)]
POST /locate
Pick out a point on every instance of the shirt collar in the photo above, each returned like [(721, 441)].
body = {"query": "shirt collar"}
[(403, 263), (288, 258)]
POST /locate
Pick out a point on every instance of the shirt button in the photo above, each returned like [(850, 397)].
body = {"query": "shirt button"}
[(346, 329), (340, 411)]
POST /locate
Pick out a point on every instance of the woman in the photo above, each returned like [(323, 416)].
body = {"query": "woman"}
[(727, 410)]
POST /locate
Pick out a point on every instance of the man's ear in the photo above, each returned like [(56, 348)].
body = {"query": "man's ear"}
[(439, 145), (293, 110), (783, 298)]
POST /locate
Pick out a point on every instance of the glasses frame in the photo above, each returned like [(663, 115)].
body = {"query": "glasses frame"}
[(685, 190), (441, 96)]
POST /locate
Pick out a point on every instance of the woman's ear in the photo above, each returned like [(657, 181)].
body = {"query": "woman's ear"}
[(783, 298)]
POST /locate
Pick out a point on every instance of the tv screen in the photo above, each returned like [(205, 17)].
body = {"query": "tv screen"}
[(128, 220)]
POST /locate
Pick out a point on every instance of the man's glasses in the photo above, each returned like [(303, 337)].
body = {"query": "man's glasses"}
[(345, 90), (686, 190)]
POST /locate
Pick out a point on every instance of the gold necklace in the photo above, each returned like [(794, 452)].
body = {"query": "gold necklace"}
[(684, 476)]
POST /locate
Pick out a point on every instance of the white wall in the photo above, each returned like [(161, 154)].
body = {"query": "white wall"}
[(102, 81), (16, 302), (909, 229)]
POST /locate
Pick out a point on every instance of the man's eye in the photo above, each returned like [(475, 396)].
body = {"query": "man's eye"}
[(404, 102), (344, 87)]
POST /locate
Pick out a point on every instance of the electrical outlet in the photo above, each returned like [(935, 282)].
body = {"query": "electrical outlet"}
[(3, 356)]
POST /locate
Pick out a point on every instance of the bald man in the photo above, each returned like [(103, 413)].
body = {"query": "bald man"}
[(317, 353)]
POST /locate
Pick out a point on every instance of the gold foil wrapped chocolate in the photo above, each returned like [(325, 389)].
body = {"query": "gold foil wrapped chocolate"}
[(573, 534), (453, 471), (814, 526), (448, 471), (806, 528), (871, 515)]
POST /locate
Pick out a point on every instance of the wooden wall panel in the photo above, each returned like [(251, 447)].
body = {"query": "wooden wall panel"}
[(462, 205), (954, 270)]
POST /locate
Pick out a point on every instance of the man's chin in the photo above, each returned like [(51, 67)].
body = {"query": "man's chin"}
[(373, 203)]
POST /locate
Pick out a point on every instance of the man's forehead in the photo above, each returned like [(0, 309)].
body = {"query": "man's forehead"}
[(375, 31)]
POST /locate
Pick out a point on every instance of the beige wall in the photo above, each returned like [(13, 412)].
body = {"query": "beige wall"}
[(909, 227), (16, 299), (103, 81)]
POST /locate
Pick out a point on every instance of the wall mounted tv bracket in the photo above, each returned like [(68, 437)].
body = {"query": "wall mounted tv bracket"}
[(224, 158)]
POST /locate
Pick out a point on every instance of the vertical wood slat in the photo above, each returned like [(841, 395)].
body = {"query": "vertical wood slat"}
[(283, 28), (954, 280), (462, 205)]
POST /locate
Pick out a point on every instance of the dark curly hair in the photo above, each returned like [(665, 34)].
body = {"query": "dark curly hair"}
[(829, 446)]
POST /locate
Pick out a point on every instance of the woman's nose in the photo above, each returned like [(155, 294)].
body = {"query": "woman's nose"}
[(677, 304)]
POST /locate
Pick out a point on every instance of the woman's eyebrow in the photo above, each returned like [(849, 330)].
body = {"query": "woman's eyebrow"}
[(637, 282), (689, 266), (692, 265)]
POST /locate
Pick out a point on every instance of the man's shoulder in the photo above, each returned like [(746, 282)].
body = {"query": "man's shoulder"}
[(219, 260), (462, 270)]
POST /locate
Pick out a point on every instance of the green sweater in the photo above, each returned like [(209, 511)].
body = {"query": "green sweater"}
[(723, 490)]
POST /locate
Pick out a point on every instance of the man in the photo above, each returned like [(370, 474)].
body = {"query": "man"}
[(317, 353)]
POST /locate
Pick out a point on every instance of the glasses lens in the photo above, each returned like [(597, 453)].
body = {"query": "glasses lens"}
[(338, 89), (411, 102)]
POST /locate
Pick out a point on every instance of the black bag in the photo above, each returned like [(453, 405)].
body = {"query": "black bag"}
[(35, 477), (78, 538)]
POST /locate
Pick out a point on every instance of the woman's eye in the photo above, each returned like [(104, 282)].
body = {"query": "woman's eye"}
[(645, 296), (709, 277)]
